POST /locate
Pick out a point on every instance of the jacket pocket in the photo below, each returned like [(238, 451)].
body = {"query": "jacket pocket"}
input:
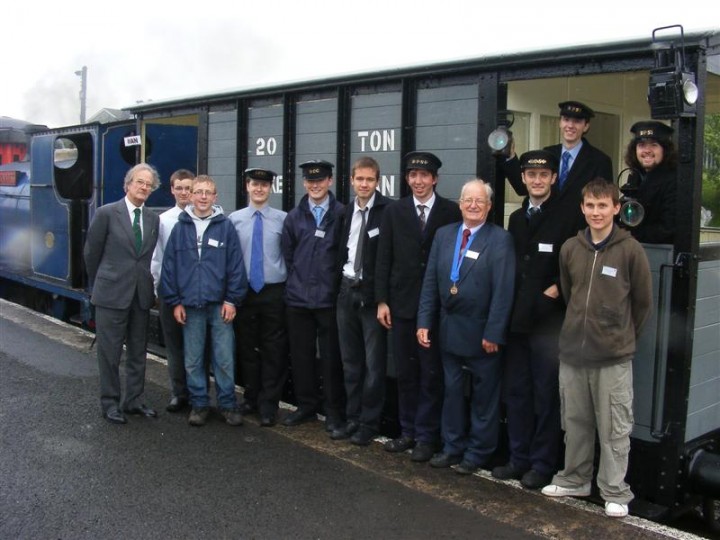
[(609, 317)]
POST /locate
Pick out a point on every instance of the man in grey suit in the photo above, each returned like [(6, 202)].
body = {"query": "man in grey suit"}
[(118, 250), (469, 281)]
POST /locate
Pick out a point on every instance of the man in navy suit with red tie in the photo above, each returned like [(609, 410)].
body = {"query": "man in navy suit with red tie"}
[(408, 229), (469, 281)]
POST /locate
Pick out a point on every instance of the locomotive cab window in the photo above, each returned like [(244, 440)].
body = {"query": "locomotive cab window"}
[(73, 166)]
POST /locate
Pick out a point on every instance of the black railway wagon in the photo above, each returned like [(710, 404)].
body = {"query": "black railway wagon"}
[(451, 109)]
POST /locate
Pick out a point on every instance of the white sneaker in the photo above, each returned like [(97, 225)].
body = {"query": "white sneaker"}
[(613, 509), (559, 491)]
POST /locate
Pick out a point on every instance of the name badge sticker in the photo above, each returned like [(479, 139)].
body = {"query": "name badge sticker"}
[(212, 242), (319, 233), (472, 254), (545, 248), (373, 233), (609, 271)]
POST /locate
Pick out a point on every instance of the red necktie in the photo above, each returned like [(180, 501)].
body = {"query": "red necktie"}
[(466, 235)]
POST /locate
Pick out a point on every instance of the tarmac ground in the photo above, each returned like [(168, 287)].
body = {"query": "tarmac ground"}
[(65, 473)]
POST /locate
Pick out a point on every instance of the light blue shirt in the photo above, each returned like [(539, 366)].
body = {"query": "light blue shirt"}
[(325, 205), (573, 154), (273, 264)]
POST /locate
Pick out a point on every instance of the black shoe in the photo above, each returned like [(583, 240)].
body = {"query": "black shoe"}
[(142, 410), (114, 416), (443, 460), (268, 420), (535, 480), (422, 452), (509, 471), (345, 432), (400, 444), (298, 417), (176, 404), (247, 408), (333, 424), (363, 436), (466, 467)]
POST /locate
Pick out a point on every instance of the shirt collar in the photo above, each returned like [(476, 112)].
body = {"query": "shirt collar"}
[(428, 204), (130, 206), (574, 151), (369, 204)]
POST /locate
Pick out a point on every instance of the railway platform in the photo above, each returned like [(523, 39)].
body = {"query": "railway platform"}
[(66, 473)]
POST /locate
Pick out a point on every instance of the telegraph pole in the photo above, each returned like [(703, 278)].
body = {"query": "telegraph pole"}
[(83, 91)]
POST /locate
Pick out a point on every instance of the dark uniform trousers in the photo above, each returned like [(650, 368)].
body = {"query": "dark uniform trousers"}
[(363, 344), (532, 399), (420, 383), (173, 337), (306, 327), (262, 347)]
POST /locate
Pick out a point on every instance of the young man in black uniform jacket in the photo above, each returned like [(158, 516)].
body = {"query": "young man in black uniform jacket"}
[(407, 235), (530, 382), (584, 163)]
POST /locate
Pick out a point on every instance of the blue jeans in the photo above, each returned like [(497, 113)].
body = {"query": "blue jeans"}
[(223, 356)]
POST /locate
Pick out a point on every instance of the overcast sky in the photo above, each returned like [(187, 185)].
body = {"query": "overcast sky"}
[(150, 50)]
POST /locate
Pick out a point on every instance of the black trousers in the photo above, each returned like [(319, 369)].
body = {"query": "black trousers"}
[(173, 336), (420, 383), (310, 330), (262, 350)]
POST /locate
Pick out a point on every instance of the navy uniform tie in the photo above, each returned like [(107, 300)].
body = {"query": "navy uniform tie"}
[(137, 231), (531, 211), (257, 272), (564, 168)]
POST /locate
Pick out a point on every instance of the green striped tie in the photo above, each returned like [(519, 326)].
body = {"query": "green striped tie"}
[(137, 231)]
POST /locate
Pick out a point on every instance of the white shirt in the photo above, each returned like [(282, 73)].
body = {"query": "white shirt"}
[(131, 212), (353, 238), (168, 220), (428, 205)]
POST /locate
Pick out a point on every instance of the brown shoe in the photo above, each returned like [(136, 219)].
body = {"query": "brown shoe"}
[(198, 417), (233, 417)]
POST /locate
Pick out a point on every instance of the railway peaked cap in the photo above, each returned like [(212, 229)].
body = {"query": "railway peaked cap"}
[(316, 169), (575, 109), (422, 160), (653, 130), (263, 175), (538, 159)]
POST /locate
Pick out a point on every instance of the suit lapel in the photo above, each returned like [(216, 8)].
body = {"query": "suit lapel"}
[(147, 228), (411, 217)]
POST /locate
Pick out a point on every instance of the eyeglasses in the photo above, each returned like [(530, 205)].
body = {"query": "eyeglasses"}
[(143, 183), (469, 201), (203, 193)]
